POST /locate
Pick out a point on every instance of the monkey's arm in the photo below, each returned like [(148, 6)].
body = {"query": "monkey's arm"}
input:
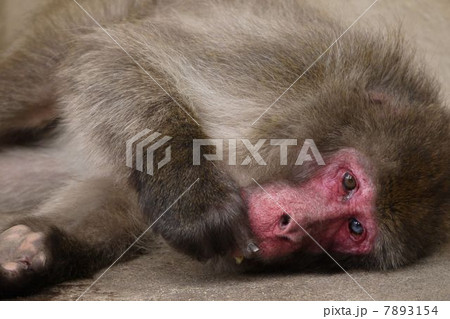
[(108, 100), (85, 226)]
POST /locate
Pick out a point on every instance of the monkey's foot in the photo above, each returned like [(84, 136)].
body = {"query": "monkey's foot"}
[(22, 257), (21, 249)]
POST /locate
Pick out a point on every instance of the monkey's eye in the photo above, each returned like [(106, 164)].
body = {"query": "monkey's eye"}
[(349, 182), (355, 227)]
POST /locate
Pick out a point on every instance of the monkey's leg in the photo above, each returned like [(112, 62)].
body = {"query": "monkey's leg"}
[(27, 86), (27, 97), (84, 227)]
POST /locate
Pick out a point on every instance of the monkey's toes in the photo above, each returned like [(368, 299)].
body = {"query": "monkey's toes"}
[(21, 250)]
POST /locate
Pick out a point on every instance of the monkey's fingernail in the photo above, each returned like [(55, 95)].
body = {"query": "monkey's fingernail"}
[(239, 259), (252, 248)]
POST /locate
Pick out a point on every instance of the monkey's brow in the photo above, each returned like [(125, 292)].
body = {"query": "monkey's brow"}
[(314, 240), (137, 239), (315, 61), (134, 60)]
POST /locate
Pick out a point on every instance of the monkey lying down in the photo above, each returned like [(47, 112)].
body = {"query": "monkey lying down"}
[(71, 98)]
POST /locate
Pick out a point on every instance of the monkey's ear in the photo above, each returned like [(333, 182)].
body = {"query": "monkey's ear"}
[(377, 97)]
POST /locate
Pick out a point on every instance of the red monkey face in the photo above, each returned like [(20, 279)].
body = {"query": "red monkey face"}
[(334, 209)]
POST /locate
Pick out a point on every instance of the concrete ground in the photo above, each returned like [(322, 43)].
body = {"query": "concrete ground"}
[(167, 275)]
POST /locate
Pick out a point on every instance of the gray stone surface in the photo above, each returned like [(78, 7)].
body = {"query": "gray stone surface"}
[(167, 275)]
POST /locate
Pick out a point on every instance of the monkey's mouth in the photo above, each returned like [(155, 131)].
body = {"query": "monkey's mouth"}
[(286, 236)]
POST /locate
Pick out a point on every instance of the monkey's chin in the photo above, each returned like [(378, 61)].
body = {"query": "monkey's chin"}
[(271, 249)]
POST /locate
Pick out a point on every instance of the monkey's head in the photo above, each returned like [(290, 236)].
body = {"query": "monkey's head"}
[(382, 198)]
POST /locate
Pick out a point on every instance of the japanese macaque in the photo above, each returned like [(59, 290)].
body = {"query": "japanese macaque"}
[(73, 92)]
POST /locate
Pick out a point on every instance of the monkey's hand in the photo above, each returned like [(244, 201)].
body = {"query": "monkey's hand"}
[(209, 220), (216, 227)]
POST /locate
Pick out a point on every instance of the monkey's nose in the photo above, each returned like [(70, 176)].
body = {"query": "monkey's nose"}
[(288, 229), (284, 222)]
